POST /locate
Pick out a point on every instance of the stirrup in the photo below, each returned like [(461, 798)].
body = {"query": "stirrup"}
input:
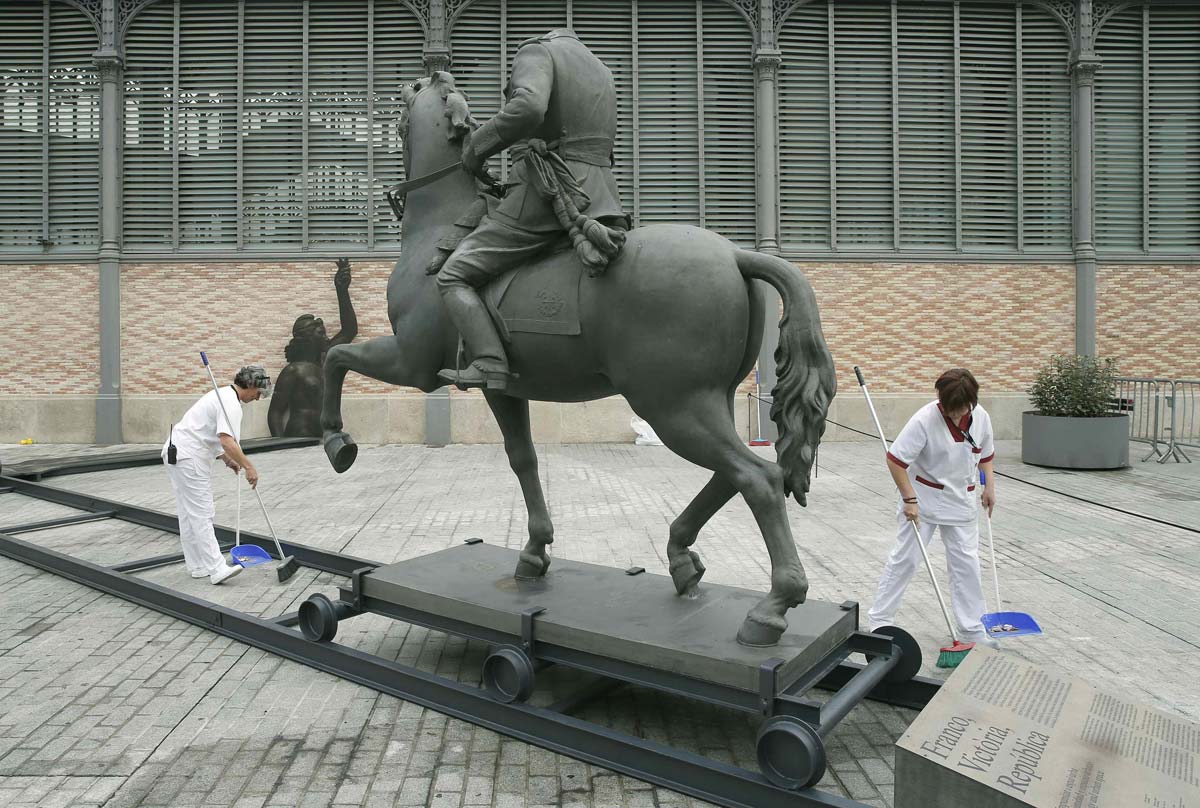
[(473, 376)]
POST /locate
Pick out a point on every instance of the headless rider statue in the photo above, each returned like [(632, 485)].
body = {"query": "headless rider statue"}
[(559, 119)]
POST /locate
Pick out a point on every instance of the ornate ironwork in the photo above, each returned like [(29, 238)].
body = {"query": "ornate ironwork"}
[(109, 68), (1102, 12), (782, 9), (127, 10), (454, 10), (420, 9), (1064, 12), (94, 11), (748, 9)]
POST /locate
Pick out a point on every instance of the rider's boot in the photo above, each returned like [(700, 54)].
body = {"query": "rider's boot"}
[(490, 366)]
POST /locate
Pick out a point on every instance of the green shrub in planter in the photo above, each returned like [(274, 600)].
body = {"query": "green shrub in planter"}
[(1075, 386), (1074, 426)]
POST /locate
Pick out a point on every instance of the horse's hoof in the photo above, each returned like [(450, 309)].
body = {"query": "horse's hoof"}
[(341, 450), (759, 632), (686, 572), (532, 566)]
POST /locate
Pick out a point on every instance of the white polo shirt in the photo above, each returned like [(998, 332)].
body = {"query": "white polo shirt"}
[(197, 435), (942, 463)]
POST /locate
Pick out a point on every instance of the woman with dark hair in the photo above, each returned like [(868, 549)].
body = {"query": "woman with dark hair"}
[(936, 462)]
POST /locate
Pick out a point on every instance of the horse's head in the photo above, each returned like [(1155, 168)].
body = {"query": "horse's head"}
[(433, 122)]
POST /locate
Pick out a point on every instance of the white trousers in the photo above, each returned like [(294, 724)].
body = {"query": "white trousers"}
[(962, 562), (192, 481)]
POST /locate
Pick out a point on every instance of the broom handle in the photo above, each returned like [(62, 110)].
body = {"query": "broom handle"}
[(937, 590), (237, 535), (270, 527), (995, 575)]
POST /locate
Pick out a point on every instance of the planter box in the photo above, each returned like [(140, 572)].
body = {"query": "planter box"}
[(1075, 443)]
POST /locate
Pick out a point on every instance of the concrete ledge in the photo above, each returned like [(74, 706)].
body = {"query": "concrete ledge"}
[(894, 409), (400, 418), (48, 419)]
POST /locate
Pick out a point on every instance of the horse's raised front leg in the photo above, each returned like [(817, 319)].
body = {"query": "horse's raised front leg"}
[(512, 415), (378, 358)]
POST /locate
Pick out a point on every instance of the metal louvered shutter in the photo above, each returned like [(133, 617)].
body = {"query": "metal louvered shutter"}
[(74, 131), (336, 182), (207, 127), (804, 143), (1173, 41), (863, 125), (148, 166), (1119, 201), (988, 120), (668, 183), (22, 125), (49, 129), (1045, 146), (397, 46), (261, 124), (727, 145), (272, 124), (925, 91)]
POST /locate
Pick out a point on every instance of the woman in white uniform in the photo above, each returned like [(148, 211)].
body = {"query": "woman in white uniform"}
[(936, 462), (202, 434)]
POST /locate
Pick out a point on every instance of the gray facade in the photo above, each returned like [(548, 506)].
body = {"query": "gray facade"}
[(836, 129)]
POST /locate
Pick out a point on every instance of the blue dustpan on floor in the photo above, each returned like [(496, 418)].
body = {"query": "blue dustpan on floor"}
[(1005, 624), (248, 555), (1010, 624)]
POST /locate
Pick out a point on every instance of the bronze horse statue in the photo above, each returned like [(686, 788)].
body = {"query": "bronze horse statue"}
[(674, 326)]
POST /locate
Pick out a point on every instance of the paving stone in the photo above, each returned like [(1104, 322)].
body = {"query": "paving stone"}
[(113, 704)]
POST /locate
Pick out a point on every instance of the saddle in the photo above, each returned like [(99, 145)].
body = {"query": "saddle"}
[(541, 297)]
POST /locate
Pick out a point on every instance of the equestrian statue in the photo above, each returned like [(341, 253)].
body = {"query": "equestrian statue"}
[(538, 290)]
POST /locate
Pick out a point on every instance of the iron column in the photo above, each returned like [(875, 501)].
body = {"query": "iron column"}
[(108, 400), (1084, 64), (766, 66)]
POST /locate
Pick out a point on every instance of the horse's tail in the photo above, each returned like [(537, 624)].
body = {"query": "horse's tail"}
[(806, 380)]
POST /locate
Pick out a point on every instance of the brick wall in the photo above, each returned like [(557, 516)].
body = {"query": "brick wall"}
[(1147, 318), (49, 329), (240, 313), (902, 322), (906, 323)]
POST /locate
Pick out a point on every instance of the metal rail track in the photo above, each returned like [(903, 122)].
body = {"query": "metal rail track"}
[(551, 728)]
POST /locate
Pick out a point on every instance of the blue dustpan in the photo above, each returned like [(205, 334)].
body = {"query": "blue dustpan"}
[(1004, 624), (1010, 624), (248, 555)]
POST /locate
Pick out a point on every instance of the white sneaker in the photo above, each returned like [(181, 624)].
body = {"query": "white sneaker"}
[(225, 574), (982, 639), (198, 573)]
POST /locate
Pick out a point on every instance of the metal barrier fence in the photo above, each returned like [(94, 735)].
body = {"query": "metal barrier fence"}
[(1184, 404), (1142, 400)]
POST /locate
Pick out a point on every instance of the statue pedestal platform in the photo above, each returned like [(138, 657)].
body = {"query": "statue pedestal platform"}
[(634, 619)]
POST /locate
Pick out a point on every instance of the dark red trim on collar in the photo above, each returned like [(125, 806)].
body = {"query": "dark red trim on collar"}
[(957, 431)]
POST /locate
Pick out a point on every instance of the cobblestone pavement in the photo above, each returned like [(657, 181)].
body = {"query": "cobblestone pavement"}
[(106, 703)]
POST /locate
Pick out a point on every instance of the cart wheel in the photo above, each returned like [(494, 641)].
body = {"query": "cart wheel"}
[(508, 674), (910, 654), (318, 618), (790, 753)]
